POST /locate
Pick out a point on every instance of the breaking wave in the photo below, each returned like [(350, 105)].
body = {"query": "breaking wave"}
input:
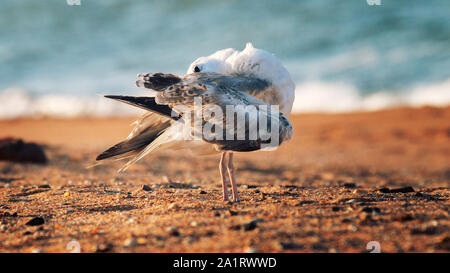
[(312, 96)]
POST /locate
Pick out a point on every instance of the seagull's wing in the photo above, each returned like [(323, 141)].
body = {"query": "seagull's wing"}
[(220, 91)]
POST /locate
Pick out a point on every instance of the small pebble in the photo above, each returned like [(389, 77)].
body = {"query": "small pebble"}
[(232, 213), (335, 209), (373, 210), (36, 221), (352, 228), (102, 248), (251, 225), (3, 227), (203, 192), (173, 231), (350, 185), (292, 246), (146, 188), (130, 242), (173, 206), (251, 250), (403, 190), (141, 241)]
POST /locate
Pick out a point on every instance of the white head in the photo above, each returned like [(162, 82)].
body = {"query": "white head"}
[(213, 63)]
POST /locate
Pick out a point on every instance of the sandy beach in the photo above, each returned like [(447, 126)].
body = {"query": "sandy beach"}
[(342, 181)]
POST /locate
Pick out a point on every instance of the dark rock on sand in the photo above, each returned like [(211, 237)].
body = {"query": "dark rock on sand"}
[(292, 246), (232, 213), (248, 226), (373, 210), (384, 190), (104, 248), (350, 185), (173, 231), (336, 208), (403, 190), (404, 217), (444, 244), (397, 190), (427, 230), (36, 221), (7, 214), (13, 149), (146, 188)]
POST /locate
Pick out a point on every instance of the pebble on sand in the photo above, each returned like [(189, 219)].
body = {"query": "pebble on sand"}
[(173, 231), (292, 246), (36, 221), (397, 190), (173, 206)]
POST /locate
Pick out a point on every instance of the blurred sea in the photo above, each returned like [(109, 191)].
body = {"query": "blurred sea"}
[(56, 59)]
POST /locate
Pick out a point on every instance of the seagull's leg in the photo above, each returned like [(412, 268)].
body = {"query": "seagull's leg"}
[(230, 168), (223, 175)]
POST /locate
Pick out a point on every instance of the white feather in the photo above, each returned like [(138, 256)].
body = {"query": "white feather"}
[(255, 62)]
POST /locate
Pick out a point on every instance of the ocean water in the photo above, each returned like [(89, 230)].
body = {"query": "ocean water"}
[(57, 59)]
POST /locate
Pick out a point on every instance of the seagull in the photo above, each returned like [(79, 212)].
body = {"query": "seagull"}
[(252, 83)]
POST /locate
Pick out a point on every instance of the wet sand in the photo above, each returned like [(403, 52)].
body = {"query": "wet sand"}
[(342, 181)]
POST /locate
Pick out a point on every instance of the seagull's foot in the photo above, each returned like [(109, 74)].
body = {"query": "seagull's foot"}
[(225, 196), (236, 198)]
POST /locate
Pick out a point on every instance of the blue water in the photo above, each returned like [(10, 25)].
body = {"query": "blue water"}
[(50, 47)]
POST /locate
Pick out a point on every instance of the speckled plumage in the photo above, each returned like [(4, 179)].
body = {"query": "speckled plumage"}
[(249, 82)]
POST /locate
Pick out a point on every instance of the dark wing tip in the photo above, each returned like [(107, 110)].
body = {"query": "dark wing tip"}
[(146, 103), (114, 97), (101, 157)]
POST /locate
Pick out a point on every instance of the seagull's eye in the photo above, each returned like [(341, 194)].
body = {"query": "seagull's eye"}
[(196, 69)]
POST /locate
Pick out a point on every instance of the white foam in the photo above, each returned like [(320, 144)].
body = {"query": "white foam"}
[(311, 96), (17, 103), (316, 96)]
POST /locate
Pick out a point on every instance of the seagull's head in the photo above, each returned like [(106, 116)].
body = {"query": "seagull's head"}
[(205, 64), (216, 62)]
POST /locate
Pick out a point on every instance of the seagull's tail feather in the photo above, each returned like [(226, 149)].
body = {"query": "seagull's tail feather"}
[(123, 149), (146, 130), (146, 103), (157, 81), (164, 139)]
